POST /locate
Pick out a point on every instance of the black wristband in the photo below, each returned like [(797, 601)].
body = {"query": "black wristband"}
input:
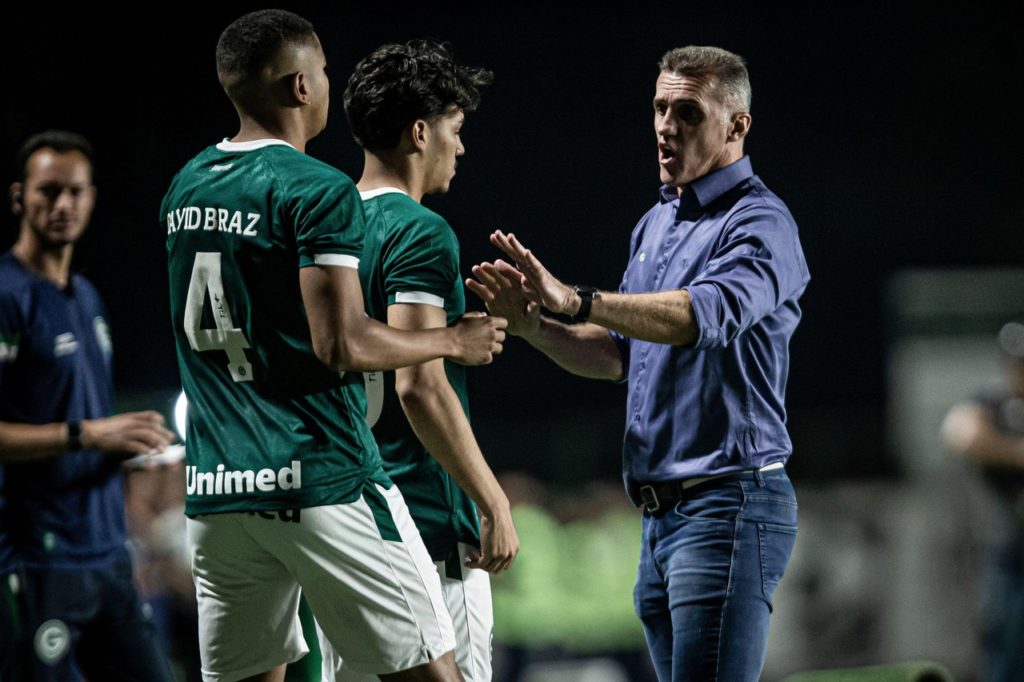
[(74, 435), (587, 296)]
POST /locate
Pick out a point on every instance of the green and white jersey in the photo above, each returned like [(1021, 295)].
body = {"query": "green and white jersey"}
[(269, 425), (411, 255)]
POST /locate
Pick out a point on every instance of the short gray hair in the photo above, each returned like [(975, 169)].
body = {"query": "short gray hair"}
[(728, 70)]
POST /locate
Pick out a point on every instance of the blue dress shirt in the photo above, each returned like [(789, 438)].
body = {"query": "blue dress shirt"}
[(719, 405)]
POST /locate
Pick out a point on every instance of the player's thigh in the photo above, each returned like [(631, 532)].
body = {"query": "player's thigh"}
[(467, 594), (246, 597), (371, 585)]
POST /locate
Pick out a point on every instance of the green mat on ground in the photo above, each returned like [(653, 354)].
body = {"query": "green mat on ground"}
[(910, 671)]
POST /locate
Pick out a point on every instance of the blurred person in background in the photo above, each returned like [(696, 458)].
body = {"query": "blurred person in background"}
[(62, 506), (155, 502), (987, 429)]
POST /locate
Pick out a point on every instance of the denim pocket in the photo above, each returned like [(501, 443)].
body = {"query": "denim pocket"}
[(776, 546)]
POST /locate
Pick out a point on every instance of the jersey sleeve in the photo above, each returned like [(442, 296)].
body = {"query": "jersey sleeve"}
[(11, 325), (328, 217), (422, 262)]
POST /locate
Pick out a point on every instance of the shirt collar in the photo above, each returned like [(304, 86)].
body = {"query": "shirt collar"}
[(228, 146), (707, 188), (371, 193)]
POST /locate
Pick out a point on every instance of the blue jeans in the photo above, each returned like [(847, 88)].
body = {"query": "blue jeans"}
[(708, 568)]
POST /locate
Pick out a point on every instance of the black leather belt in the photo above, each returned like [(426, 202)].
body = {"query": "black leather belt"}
[(660, 496)]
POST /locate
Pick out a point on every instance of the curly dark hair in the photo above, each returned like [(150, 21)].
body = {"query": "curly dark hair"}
[(397, 84)]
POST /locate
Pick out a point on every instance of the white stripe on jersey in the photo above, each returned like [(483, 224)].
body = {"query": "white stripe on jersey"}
[(339, 259), (419, 297)]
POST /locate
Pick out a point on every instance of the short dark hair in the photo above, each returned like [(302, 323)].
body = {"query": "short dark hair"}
[(729, 71), (397, 84), (250, 42), (60, 141)]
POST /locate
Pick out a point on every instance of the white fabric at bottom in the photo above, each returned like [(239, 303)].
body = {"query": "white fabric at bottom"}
[(469, 603), (378, 601)]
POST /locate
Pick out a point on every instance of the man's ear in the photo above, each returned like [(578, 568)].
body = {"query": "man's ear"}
[(740, 126), (299, 87), (16, 198), (419, 131)]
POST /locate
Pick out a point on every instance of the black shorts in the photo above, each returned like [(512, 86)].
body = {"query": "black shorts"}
[(92, 621)]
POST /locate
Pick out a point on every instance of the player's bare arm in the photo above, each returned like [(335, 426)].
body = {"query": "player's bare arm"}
[(345, 338), (436, 416)]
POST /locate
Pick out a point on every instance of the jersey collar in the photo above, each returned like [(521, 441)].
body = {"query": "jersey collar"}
[(228, 146), (370, 194)]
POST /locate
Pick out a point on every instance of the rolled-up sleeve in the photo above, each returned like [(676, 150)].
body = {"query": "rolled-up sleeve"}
[(757, 267)]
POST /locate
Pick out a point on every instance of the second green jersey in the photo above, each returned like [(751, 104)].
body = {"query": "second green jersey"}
[(411, 255), (269, 425)]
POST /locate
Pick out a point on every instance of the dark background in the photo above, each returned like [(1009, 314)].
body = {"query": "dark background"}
[(890, 132)]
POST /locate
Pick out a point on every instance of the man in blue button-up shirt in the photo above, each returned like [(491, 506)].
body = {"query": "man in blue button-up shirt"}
[(700, 328)]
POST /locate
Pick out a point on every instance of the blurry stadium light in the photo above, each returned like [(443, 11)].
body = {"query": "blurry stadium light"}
[(180, 412)]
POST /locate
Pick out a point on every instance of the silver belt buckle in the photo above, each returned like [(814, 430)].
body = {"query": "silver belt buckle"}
[(649, 498)]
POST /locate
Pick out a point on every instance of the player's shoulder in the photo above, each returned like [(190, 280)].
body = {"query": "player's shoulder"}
[(404, 215), (300, 168)]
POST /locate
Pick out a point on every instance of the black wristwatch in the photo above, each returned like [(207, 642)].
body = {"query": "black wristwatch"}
[(587, 296), (74, 435)]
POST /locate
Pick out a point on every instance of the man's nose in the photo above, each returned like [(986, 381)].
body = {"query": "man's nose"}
[(65, 200), (664, 125)]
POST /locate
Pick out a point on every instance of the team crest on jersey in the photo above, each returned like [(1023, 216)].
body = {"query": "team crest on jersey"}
[(102, 331), (52, 641)]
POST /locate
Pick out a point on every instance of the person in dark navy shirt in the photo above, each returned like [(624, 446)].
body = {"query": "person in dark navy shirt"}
[(62, 515), (700, 329)]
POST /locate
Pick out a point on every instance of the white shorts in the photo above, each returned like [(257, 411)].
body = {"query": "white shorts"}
[(362, 567), (468, 598)]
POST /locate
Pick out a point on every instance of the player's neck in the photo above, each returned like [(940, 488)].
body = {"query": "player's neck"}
[(250, 130), (393, 171)]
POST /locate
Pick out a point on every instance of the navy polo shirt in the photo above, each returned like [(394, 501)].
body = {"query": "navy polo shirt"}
[(719, 405), (55, 365)]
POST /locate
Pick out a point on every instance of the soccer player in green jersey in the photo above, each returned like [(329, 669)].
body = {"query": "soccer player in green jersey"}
[(405, 105), (285, 487)]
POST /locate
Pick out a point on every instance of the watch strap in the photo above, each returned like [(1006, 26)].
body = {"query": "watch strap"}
[(74, 435), (587, 295)]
